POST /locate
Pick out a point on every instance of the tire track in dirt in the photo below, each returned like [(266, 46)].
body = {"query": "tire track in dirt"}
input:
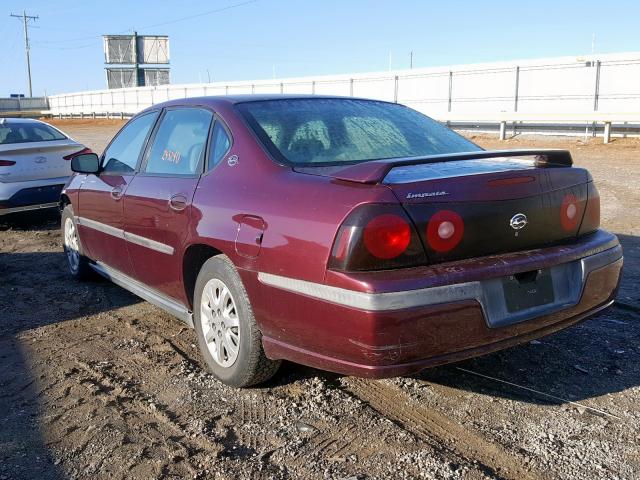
[(427, 424), (331, 444), (252, 412), (129, 401)]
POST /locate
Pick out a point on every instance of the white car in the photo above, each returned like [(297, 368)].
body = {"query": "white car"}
[(35, 163)]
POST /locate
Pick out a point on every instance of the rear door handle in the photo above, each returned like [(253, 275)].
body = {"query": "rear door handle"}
[(116, 193), (178, 202)]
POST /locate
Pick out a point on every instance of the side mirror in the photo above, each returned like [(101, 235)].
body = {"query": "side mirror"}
[(85, 163)]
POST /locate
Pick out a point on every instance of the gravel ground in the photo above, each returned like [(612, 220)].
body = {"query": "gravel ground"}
[(95, 383)]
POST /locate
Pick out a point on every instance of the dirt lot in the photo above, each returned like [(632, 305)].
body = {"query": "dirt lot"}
[(95, 383)]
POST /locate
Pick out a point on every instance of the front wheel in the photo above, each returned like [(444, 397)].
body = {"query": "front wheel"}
[(76, 261), (228, 335)]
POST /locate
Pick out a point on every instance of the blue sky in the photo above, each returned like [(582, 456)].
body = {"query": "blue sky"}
[(297, 38)]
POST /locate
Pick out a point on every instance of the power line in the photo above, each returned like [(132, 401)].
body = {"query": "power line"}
[(169, 22), (202, 14), (77, 47), (25, 21)]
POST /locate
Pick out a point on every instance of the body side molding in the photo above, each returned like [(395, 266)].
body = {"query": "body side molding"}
[(129, 237)]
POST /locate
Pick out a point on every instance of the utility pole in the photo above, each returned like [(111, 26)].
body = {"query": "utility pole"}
[(411, 60), (25, 19)]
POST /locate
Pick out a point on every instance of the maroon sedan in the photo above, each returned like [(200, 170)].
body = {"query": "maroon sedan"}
[(351, 235)]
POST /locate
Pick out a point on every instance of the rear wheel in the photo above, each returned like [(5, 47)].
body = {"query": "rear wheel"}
[(228, 335), (76, 261)]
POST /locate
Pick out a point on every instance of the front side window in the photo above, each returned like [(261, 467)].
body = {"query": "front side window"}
[(220, 143), (28, 132), (123, 153), (179, 145), (330, 131)]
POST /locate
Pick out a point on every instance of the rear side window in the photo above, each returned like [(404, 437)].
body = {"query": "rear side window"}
[(123, 153), (220, 144), (28, 132), (179, 145)]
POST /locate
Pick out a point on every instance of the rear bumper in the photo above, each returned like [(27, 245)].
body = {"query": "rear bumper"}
[(30, 195), (387, 333)]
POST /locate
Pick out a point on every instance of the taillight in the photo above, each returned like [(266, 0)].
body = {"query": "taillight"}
[(591, 218), (6, 163), (387, 236), (80, 152), (570, 212), (445, 230), (376, 237)]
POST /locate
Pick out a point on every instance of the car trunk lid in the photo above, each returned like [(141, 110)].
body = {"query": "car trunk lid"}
[(494, 202), (499, 204), (37, 160)]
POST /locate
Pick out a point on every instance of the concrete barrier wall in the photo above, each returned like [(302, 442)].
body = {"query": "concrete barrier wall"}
[(565, 85), (19, 104)]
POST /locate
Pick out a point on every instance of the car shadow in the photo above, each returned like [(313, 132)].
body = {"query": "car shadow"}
[(41, 220), (36, 290)]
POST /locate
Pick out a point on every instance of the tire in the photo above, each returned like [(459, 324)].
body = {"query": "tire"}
[(228, 335), (76, 261)]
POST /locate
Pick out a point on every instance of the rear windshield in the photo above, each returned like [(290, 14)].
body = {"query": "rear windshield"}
[(28, 132), (335, 131)]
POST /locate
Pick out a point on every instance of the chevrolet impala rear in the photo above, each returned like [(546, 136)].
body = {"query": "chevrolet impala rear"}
[(439, 250)]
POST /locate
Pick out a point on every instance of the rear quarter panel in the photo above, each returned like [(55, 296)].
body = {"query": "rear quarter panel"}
[(300, 212)]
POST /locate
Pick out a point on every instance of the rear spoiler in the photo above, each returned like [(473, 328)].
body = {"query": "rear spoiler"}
[(376, 170)]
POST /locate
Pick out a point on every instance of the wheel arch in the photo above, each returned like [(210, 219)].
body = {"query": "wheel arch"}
[(194, 257), (64, 201)]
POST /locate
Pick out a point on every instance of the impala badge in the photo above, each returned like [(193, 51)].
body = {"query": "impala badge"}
[(518, 221), (232, 161)]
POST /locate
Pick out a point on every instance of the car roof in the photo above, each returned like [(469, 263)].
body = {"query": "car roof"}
[(220, 100), (16, 120)]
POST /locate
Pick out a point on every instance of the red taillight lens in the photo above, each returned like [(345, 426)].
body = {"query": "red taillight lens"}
[(6, 163), (75, 154), (445, 230), (387, 236), (376, 237), (570, 212), (591, 219)]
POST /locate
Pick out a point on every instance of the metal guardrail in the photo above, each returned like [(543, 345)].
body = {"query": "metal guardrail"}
[(93, 115), (607, 123)]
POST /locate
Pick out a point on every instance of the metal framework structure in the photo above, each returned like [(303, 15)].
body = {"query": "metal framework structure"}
[(136, 60)]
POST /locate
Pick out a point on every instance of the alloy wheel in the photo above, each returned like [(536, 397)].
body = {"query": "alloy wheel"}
[(71, 245), (220, 323)]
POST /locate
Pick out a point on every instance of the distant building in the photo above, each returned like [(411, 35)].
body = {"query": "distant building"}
[(136, 60)]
